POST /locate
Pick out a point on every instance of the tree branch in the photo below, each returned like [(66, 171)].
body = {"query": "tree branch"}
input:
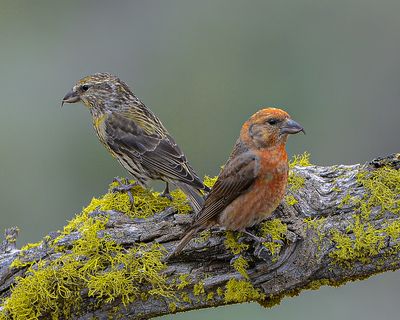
[(337, 224)]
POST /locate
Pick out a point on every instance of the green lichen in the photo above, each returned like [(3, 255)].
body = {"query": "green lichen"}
[(273, 300), (31, 245), (146, 202), (276, 230), (235, 247), (301, 160), (210, 181), (392, 230), (295, 180), (11, 239), (198, 289), (232, 244), (273, 229), (345, 201), (383, 186), (106, 276), (364, 243), (336, 189), (290, 200), (240, 264), (19, 263), (95, 262), (172, 307), (316, 284), (203, 236), (183, 281), (241, 291), (362, 240), (316, 224), (185, 297), (24, 258)]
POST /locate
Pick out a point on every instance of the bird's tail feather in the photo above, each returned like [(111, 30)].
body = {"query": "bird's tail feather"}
[(195, 197), (184, 241)]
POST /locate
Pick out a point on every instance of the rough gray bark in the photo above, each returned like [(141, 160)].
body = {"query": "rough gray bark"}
[(304, 260)]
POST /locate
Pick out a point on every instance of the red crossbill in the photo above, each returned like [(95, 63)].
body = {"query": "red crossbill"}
[(253, 181), (134, 135)]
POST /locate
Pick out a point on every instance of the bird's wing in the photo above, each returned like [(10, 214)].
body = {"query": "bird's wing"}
[(236, 177), (157, 153)]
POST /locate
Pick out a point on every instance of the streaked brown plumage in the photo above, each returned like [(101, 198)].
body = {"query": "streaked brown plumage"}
[(253, 181), (134, 135)]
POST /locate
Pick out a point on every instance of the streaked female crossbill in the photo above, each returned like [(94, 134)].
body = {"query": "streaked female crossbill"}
[(253, 181), (135, 136)]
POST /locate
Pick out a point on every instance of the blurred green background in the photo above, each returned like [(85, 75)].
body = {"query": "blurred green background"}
[(204, 67)]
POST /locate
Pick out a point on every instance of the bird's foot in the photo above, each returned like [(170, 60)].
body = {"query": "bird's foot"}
[(264, 239), (266, 247), (125, 187), (275, 255), (165, 193)]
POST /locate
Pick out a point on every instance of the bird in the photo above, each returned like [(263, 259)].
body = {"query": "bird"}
[(135, 136), (252, 183)]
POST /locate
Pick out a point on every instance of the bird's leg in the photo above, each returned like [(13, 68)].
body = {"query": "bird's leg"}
[(263, 252), (267, 238), (125, 187), (166, 193)]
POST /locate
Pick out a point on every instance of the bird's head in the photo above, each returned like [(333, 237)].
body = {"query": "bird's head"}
[(270, 127), (100, 91)]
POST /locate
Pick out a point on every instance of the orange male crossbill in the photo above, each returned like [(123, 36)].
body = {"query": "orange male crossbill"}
[(253, 181)]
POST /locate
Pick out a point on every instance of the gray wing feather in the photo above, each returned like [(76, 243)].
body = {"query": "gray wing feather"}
[(236, 177), (157, 154)]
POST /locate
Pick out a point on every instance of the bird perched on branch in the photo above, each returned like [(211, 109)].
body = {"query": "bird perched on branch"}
[(253, 181), (134, 135)]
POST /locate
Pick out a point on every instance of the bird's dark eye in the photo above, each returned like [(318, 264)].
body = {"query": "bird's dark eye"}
[(272, 121), (85, 87)]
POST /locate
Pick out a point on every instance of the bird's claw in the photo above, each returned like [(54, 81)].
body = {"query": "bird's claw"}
[(125, 187), (266, 238), (262, 252), (166, 194)]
